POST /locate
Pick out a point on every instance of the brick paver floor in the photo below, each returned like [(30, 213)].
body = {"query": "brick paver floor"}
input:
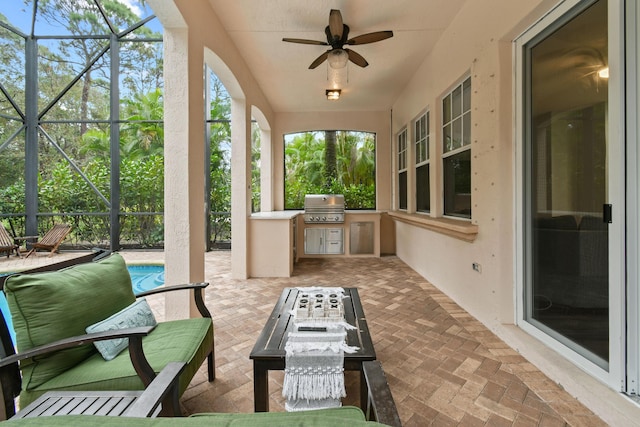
[(443, 366)]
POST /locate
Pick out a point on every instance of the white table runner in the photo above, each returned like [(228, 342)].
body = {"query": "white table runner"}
[(314, 363)]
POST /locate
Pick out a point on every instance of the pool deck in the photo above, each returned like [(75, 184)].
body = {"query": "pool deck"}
[(15, 264)]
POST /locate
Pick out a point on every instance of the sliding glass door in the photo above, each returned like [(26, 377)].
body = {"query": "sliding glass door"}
[(566, 179)]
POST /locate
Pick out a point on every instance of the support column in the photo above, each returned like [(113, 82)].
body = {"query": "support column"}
[(114, 143), (184, 218), (240, 186), (31, 137)]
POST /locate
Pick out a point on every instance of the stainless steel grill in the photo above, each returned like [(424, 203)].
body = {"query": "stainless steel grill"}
[(324, 208)]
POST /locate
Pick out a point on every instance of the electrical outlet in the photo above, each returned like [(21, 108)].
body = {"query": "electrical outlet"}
[(477, 267)]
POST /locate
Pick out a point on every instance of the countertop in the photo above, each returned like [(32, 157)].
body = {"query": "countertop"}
[(276, 215)]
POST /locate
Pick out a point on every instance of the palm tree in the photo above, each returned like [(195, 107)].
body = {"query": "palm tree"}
[(330, 172)]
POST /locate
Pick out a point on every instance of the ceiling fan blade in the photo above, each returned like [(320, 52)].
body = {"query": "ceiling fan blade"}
[(370, 37), (356, 58), (319, 60), (305, 41), (335, 24)]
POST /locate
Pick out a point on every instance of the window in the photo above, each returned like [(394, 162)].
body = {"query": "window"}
[(456, 150), (332, 162), (421, 135), (402, 169)]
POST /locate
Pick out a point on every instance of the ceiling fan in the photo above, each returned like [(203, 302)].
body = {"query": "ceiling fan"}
[(337, 36)]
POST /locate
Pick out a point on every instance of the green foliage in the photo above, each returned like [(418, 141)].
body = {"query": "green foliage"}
[(219, 162), (353, 175), (12, 197), (79, 125), (142, 191)]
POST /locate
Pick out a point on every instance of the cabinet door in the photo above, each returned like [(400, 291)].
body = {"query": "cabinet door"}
[(314, 241), (361, 238)]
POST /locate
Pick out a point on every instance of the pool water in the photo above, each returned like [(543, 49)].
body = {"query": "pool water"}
[(146, 277), (143, 278)]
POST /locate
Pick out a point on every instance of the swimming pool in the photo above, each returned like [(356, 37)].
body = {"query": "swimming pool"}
[(146, 277), (143, 278)]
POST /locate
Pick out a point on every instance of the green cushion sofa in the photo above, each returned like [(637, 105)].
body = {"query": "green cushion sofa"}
[(345, 416), (52, 309)]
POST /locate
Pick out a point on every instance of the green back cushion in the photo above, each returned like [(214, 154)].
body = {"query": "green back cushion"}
[(50, 306)]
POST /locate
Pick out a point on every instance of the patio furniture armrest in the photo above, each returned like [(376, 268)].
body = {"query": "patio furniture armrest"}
[(164, 388), (197, 294), (135, 335), (380, 404)]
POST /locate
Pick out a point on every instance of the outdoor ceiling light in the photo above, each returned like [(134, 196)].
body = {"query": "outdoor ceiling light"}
[(338, 58), (333, 94)]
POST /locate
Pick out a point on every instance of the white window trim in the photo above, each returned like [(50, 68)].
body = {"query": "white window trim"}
[(403, 132), (426, 115), (443, 154), (426, 140)]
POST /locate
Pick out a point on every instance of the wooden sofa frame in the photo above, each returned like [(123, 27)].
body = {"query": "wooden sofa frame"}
[(147, 404), (380, 404), (10, 376)]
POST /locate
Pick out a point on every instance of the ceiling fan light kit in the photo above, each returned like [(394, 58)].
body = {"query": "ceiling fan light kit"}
[(338, 58)]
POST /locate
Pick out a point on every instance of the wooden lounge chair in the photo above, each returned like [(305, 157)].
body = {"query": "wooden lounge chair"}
[(51, 240), (7, 242)]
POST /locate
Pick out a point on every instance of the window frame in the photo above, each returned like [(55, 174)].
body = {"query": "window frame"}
[(452, 119), (403, 168), (350, 191), (421, 145)]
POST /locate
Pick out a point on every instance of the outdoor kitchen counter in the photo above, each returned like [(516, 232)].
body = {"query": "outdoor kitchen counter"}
[(272, 243), (360, 231), (276, 215), (276, 239)]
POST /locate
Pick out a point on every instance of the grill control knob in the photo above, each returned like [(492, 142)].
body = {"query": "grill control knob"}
[(324, 218)]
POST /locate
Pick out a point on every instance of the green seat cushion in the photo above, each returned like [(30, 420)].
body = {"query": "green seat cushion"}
[(347, 416), (49, 306), (187, 340), (339, 416)]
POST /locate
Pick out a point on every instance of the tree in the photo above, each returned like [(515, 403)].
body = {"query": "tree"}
[(82, 18), (330, 172), (220, 161), (305, 167), (143, 133), (12, 78), (79, 120)]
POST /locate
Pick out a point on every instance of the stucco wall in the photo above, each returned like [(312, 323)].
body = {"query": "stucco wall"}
[(189, 46), (477, 45)]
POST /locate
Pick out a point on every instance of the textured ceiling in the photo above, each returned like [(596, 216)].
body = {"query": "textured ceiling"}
[(281, 69)]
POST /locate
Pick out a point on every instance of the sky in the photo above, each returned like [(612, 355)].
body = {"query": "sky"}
[(19, 14)]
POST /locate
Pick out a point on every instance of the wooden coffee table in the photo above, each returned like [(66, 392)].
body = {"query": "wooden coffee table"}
[(268, 353)]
